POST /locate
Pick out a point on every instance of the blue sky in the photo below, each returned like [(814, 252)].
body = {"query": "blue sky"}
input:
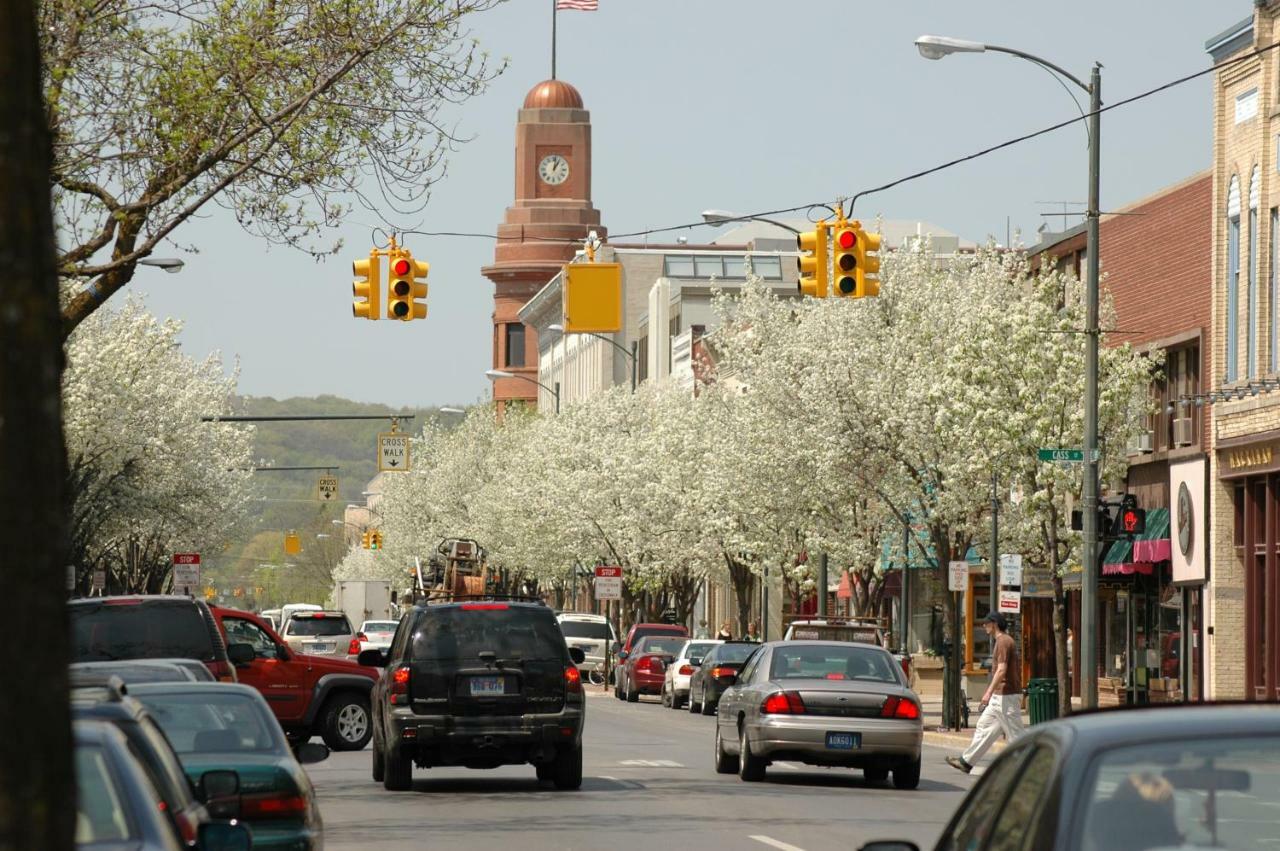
[(734, 104)]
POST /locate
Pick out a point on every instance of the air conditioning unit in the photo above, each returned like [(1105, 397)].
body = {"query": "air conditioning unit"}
[(1142, 444), (1183, 434)]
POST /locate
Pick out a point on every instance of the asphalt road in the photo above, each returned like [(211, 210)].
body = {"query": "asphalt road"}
[(648, 783)]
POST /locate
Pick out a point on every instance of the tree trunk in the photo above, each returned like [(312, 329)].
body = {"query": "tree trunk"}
[(740, 579), (37, 788)]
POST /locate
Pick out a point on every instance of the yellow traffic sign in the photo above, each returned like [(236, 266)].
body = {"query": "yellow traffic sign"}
[(327, 488)]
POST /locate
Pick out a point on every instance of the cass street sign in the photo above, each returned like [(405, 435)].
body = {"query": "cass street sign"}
[(1064, 456)]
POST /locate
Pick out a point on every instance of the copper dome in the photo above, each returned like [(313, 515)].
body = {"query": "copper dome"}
[(553, 94)]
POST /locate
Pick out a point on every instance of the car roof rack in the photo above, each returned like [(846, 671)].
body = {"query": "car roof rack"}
[(446, 597)]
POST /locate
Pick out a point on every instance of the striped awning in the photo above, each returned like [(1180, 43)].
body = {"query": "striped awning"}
[(1140, 555)]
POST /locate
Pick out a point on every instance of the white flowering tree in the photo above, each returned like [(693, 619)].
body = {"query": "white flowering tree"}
[(147, 477)]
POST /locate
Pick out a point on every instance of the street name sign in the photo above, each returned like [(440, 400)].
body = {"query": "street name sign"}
[(327, 488), (1010, 602), (1064, 456), (608, 583), (393, 452), (1011, 569), (186, 572), (958, 576)]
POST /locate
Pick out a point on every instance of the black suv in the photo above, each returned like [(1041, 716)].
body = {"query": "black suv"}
[(478, 683), (106, 629)]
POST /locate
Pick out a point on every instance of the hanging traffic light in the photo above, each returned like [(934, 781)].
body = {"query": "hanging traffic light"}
[(867, 266), (404, 289), (368, 300), (846, 262), (812, 262), (366, 539), (375, 540)]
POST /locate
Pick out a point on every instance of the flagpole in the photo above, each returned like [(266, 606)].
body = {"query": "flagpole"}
[(553, 39)]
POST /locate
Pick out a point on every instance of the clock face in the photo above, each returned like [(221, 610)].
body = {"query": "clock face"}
[(1186, 519), (554, 169)]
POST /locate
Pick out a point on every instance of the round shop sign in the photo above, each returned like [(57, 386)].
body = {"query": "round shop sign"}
[(1186, 519)]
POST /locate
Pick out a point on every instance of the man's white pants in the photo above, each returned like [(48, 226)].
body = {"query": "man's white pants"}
[(1003, 715)]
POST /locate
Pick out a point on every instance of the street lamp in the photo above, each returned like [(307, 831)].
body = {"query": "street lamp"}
[(936, 47), (724, 217), (172, 265), (450, 410), (493, 374), (559, 329)]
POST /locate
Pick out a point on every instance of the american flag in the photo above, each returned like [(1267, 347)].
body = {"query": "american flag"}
[(580, 5)]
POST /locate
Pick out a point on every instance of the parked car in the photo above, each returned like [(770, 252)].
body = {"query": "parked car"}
[(478, 684), (675, 686), (716, 673), (142, 671), (592, 634), (310, 695), (1160, 777), (223, 727), (821, 703), (118, 807), (644, 669), (319, 633), (106, 701), (108, 629), (637, 633), (372, 635), (859, 630)]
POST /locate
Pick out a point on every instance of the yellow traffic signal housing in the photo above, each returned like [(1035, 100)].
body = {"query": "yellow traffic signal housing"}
[(366, 287), (403, 287), (592, 298), (868, 269), (845, 264), (292, 543), (375, 540), (812, 262), (365, 539)]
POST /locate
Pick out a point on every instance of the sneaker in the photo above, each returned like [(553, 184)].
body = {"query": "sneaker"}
[(958, 763)]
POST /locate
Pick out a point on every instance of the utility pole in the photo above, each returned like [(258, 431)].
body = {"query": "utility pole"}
[(1089, 582), (822, 585), (994, 562)]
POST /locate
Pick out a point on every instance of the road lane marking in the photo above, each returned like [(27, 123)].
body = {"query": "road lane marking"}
[(789, 765), (769, 840), (652, 763)]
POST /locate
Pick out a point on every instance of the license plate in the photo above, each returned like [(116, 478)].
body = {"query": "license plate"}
[(844, 741), (487, 686), (322, 648)]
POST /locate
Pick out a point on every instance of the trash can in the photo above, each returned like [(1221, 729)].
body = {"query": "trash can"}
[(1042, 699)]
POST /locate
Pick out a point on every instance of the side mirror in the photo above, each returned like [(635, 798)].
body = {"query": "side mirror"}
[(240, 653), (224, 836), (373, 658), (889, 845), (577, 655), (309, 753)]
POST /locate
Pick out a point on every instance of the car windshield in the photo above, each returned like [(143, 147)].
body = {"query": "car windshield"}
[(735, 652), (100, 810), (1205, 793), (378, 626), (162, 628), (585, 629), (660, 644), (207, 721), (698, 649), (832, 662), (462, 633), (309, 625)]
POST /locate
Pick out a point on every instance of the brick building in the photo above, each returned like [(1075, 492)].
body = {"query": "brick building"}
[(1151, 600)]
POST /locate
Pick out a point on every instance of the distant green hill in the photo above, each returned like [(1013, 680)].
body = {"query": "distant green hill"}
[(287, 500)]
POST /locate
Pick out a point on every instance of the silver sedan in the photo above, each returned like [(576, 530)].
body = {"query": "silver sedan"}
[(821, 703)]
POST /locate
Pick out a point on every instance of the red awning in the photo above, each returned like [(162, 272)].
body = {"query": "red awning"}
[(1128, 568), (1157, 550)]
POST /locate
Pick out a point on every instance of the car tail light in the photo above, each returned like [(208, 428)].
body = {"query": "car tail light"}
[(271, 805), (783, 703), (223, 672), (474, 607), (686, 670), (187, 826), (899, 707), (644, 663), (572, 680), (720, 672), (835, 675), (354, 647), (399, 690)]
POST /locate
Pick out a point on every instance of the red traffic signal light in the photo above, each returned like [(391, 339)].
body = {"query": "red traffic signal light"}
[(1133, 521), (846, 262)]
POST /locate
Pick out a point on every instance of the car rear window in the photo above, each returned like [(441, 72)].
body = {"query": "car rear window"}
[(306, 624), (209, 721), (101, 814), (834, 662), (142, 630), (585, 629), (660, 644), (828, 632), (462, 633), (642, 632), (735, 652), (379, 626)]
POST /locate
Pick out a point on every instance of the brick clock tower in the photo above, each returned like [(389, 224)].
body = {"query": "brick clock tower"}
[(544, 226)]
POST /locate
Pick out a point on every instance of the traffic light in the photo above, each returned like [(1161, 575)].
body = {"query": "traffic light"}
[(813, 266), (292, 543), (404, 289), (1131, 520), (867, 269), (375, 540), (366, 539), (847, 280), (366, 287)]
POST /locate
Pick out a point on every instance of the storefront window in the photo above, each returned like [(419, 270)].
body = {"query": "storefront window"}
[(1116, 644)]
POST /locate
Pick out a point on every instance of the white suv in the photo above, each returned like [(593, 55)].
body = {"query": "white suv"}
[(591, 634), (319, 633)]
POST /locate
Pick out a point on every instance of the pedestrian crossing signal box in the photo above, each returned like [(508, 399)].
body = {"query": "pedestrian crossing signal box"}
[(592, 298)]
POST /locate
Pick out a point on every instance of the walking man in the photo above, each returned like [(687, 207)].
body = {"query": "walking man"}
[(1001, 711)]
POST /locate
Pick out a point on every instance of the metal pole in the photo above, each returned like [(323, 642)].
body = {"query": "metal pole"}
[(953, 663), (906, 588), (764, 605), (822, 585), (1089, 582), (557, 392), (553, 39), (994, 563), (634, 347)]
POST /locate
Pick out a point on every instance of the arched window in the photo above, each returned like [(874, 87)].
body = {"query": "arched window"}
[(1252, 310), (1233, 280)]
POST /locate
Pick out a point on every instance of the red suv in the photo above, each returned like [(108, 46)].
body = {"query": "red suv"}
[(634, 635), (310, 695)]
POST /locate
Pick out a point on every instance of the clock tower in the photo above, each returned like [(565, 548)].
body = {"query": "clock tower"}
[(543, 227)]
